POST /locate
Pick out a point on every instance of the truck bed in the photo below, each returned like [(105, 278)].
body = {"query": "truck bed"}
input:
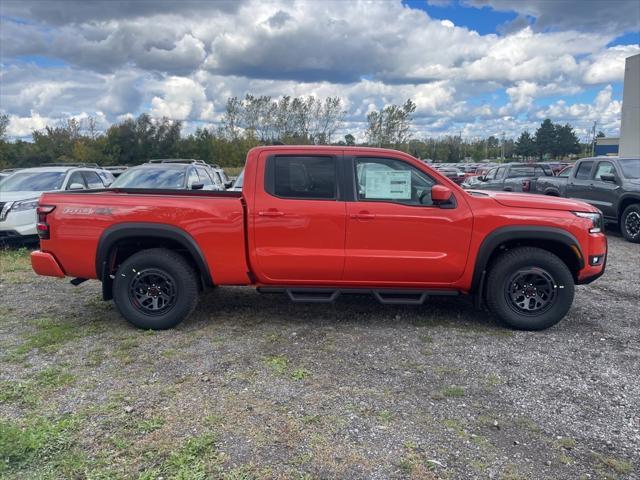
[(215, 222)]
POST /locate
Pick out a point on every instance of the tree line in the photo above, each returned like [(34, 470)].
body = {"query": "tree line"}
[(259, 120)]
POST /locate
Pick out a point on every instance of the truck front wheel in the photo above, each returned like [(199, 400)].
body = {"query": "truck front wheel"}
[(630, 223), (529, 288), (155, 289)]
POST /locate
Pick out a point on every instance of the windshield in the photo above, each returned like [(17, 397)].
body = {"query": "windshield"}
[(145, 177), (630, 167), (239, 180), (32, 182)]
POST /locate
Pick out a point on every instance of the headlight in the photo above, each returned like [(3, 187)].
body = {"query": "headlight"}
[(24, 205), (596, 220)]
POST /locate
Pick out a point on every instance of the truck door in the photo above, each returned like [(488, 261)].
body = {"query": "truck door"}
[(580, 184), (298, 219), (603, 194), (395, 234)]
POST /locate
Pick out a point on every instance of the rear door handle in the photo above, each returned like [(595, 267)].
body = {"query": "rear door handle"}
[(363, 216), (271, 213)]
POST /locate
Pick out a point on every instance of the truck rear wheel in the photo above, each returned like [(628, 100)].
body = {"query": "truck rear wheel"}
[(155, 289), (630, 223), (529, 288)]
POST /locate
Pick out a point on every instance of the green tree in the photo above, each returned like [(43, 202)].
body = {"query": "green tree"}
[(567, 140), (349, 140), (525, 146), (545, 138), (391, 126)]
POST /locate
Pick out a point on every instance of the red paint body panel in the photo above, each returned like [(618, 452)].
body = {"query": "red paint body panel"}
[(215, 223), (45, 264), (257, 238)]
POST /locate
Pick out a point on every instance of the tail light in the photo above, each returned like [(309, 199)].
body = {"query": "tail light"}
[(526, 185), (42, 226)]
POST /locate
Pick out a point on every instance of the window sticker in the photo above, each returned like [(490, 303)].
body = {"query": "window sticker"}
[(390, 184)]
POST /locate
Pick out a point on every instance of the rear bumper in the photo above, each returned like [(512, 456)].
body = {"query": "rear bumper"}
[(44, 263)]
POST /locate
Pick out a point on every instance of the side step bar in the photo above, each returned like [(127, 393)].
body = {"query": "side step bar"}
[(330, 295)]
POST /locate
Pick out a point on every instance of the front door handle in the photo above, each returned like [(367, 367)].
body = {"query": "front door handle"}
[(271, 213), (363, 216)]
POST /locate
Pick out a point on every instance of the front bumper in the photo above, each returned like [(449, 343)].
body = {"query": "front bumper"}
[(44, 263), (598, 247)]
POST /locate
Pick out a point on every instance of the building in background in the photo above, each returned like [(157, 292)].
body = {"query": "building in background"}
[(630, 126), (606, 146)]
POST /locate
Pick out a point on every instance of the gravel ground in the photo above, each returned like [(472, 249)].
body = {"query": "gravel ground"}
[(253, 386)]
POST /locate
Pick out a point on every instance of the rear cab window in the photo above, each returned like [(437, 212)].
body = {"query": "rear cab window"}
[(584, 170), (302, 177)]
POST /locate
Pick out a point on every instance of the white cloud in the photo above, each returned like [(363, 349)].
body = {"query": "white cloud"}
[(608, 65), (184, 61), (20, 127)]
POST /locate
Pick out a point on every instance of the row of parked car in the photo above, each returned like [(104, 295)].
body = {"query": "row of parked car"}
[(20, 189), (611, 184)]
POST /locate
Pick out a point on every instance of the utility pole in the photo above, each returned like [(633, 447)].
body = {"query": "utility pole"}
[(502, 150), (593, 138)]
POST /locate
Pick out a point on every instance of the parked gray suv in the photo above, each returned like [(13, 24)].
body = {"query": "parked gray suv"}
[(611, 184)]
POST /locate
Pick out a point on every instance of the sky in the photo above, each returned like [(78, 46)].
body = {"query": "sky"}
[(475, 67)]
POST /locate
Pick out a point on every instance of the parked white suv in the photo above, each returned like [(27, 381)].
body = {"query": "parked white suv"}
[(20, 191)]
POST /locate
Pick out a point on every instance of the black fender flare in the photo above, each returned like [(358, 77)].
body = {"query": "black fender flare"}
[(518, 232), (122, 231), (633, 196)]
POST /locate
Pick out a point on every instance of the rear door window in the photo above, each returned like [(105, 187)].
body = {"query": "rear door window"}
[(604, 168), (76, 177), (205, 179), (302, 177), (93, 180), (584, 171)]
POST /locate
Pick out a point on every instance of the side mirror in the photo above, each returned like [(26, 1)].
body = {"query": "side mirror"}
[(440, 194), (76, 186), (197, 186), (482, 178), (228, 184), (608, 177)]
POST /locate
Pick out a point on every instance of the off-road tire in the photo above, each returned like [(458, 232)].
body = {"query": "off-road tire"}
[(166, 266), (625, 223), (499, 288)]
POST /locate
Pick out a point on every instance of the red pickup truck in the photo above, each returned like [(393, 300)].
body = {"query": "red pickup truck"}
[(317, 222)]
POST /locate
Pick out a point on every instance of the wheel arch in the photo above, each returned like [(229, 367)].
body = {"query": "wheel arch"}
[(557, 241), (120, 241), (624, 202)]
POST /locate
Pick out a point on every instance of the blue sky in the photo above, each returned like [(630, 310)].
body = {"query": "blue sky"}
[(476, 66)]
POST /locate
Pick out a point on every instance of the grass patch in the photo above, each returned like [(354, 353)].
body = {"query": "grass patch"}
[(385, 416), (150, 425), (40, 441), (300, 374), (452, 392), (14, 260), (278, 363), (53, 377), (17, 392), (566, 443), (197, 459), (621, 467), (49, 337), (124, 350)]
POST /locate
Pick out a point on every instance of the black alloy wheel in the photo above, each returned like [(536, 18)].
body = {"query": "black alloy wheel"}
[(530, 291)]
